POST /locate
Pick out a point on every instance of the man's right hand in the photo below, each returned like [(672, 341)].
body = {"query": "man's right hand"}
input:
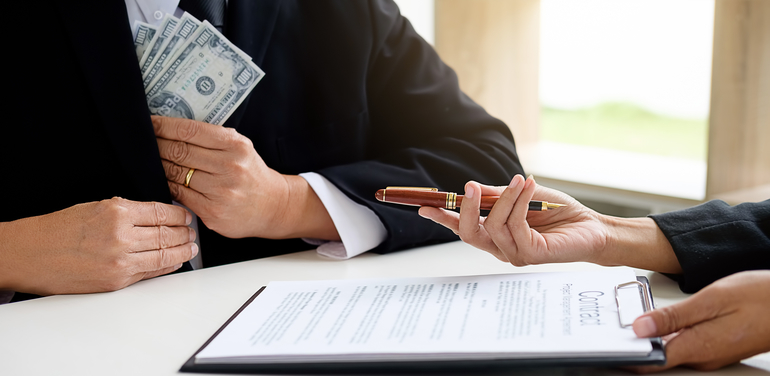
[(94, 247), (517, 235)]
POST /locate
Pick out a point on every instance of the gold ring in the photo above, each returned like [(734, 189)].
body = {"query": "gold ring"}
[(189, 176)]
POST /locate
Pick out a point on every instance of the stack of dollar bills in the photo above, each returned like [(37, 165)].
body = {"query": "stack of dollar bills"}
[(192, 71)]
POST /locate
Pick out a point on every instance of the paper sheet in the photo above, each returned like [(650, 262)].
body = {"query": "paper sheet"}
[(473, 317)]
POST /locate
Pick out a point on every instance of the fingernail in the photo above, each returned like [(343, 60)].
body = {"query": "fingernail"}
[(514, 182), (528, 183), (645, 327), (192, 234), (177, 266), (469, 191), (187, 218), (194, 248), (423, 214)]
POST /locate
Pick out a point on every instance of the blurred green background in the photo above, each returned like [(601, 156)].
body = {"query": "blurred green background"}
[(625, 126)]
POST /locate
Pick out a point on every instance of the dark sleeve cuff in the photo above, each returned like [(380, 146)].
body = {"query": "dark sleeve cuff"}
[(714, 240)]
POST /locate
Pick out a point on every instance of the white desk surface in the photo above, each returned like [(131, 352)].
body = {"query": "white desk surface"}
[(154, 326)]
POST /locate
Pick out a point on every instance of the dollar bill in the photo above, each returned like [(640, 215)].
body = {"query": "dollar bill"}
[(165, 31), (186, 29), (143, 34), (206, 80)]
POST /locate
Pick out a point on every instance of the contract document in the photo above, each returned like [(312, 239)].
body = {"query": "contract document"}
[(484, 317)]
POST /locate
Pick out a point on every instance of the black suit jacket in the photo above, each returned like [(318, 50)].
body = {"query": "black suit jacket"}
[(351, 92), (714, 240)]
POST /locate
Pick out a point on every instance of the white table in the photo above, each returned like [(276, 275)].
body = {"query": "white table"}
[(154, 326)]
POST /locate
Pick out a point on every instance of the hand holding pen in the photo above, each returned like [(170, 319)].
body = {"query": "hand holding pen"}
[(514, 233), (416, 196)]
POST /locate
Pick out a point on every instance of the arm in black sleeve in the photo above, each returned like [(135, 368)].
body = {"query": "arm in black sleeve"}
[(424, 132), (714, 240)]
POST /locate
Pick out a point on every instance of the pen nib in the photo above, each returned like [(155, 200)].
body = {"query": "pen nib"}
[(554, 206)]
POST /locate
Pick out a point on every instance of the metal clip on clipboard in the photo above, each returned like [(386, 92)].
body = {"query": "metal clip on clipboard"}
[(644, 294)]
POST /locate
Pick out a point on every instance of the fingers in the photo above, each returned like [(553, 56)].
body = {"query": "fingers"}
[(446, 218), (491, 190), (156, 214), (469, 213), (188, 155), (188, 197), (164, 258), (706, 346), (497, 220), (193, 132), (517, 220), (702, 306), (199, 180), (470, 222), (698, 332), (157, 237)]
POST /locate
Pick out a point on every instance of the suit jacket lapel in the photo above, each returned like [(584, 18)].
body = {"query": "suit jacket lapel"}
[(250, 26), (104, 45)]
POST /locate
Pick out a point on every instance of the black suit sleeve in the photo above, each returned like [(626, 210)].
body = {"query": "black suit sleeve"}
[(714, 240), (424, 132)]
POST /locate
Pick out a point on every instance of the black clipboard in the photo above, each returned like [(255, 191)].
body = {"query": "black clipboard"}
[(656, 357)]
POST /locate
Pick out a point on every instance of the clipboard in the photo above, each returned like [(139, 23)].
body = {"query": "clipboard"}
[(656, 357)]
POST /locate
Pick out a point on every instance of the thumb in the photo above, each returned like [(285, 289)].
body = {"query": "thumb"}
[(698, 308)]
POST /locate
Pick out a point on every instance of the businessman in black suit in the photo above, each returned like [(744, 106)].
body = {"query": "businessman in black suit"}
[(352, 93)]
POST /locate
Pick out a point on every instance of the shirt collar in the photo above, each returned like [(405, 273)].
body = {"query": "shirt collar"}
[(150, 11)]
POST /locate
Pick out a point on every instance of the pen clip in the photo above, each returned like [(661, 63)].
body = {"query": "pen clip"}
[(413, 189)]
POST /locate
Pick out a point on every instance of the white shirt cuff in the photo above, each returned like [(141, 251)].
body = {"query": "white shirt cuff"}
[(359, 228)]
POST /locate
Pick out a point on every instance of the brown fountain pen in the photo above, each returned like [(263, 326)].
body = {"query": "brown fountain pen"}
[(448, 200)]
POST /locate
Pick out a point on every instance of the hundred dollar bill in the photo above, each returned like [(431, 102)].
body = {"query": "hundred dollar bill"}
[(143, 34), (165, 31), (206, 80), (186, 28)]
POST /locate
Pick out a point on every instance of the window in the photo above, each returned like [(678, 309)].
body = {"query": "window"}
[(629, 75)]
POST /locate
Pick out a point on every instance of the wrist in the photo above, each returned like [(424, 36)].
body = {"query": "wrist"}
[(639, 243), (305, 216), (12, 250)]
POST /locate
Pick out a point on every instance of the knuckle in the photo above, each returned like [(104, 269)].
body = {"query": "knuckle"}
[(164, 237), (161, 213), (668, 319), (517, 258), (175, 190), (162, 259), (187, 130), (112, 211), (118, 264), (517, 261), (175, 172), (179, 151), (236, 139)]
